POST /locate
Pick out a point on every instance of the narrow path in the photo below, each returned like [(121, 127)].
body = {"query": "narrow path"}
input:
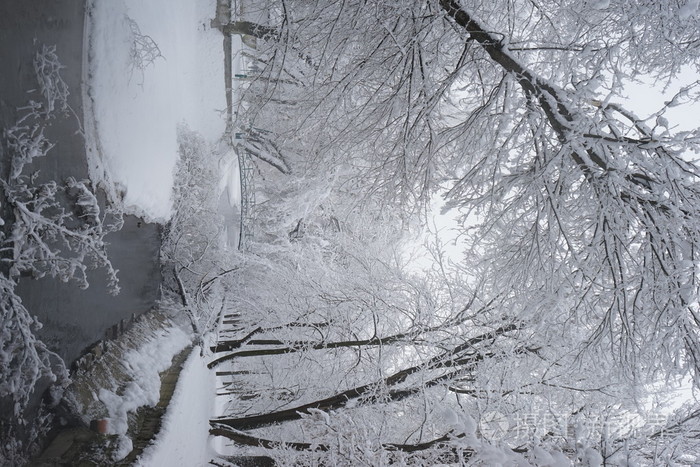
[(184, 438), (80, 446), (150, 418)]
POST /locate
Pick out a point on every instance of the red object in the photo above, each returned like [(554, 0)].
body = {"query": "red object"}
[(99, 426)]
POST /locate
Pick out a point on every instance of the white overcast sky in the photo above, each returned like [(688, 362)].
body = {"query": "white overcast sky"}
[(643, 98)]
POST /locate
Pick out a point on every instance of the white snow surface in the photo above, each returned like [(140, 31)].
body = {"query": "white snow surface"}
[(184, 435), (135, 115), (144, 366)]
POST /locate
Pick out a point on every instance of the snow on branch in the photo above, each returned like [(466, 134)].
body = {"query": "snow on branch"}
[(47, 68), (143, 52), (23, 358), (49, 228), (581, 215), (45, 238), (194, 245), (25, 143)]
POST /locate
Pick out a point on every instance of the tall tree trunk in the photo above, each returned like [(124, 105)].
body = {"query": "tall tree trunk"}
[(451, 358)]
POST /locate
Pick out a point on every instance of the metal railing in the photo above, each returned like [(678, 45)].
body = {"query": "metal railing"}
[(226, 12), (247, 198)]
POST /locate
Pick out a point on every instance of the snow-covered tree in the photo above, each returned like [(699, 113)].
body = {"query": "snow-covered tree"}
[(515, 114), (194, 254), (50, 228), (581, 218), (339, 307)]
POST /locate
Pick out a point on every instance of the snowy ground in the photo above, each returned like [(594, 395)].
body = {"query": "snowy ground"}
[(132, 117), (131, 120), (144, 365), (184, 436)]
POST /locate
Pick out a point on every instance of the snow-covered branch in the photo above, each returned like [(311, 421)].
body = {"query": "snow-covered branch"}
[(45, 238), (47, 68), (50, 228), (143, 52)]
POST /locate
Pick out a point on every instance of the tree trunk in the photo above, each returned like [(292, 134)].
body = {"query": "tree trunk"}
[(248, 440), (453, 357), (252, 29)]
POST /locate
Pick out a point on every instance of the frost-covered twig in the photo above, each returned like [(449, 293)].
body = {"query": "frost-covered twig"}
[(192, 244), (25, 140), (42, 225), (51, 84), (144, 50), (53, 228), (23, 358), (24, 144)]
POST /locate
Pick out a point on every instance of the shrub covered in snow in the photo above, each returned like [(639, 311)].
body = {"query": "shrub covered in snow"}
[(54, 90), (194, 252), (50, 228)]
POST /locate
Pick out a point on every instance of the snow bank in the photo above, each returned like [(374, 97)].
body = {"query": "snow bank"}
[(143, 365), (134, 113), (184, 435)]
